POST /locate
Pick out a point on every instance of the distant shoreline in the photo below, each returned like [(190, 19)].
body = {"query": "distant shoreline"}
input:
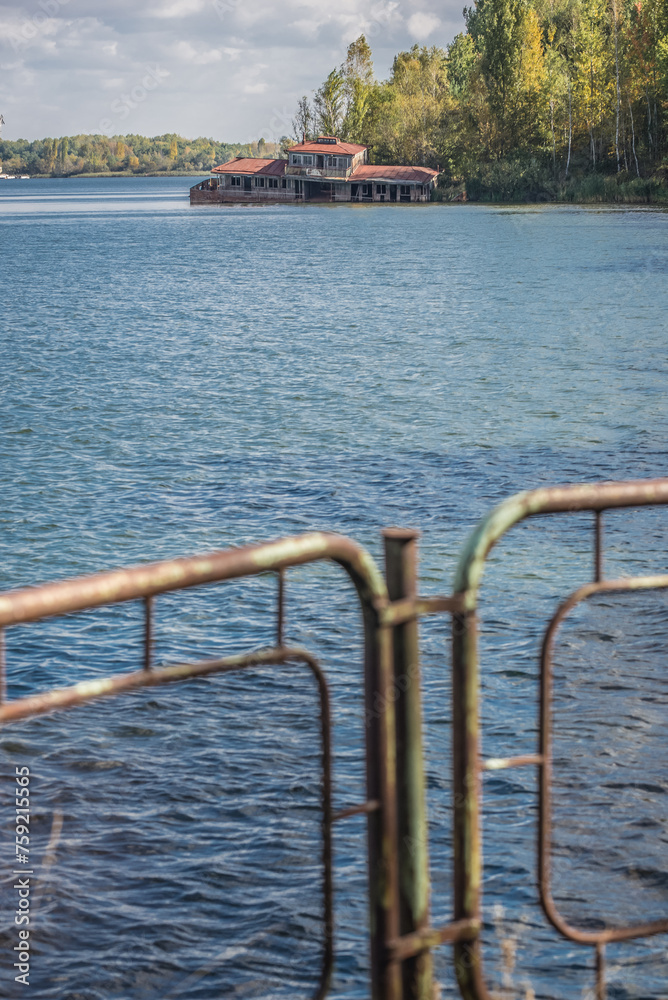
[(632, 194), (116, 173)]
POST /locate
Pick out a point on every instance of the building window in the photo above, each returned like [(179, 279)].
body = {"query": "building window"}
[(235, 181), (367, 190), (406, 189), (284, 183), (296, 158), (259, 182), (307, 160), (272, 182), (380, 189)]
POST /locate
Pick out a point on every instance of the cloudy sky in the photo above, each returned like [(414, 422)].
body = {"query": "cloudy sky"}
[(229, 69)]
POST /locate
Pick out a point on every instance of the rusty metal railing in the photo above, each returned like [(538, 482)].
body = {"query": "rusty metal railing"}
[(466, 738), (398, 876), (401, 937)]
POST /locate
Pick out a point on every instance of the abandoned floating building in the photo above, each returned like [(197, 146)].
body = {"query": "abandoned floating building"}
[(325, 169)]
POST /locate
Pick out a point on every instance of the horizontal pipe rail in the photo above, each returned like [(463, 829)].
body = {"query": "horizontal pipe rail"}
[(550, 500), (63, 597), (409, 609), (75, 695), (503, 763), (412, 944), (364, 808)]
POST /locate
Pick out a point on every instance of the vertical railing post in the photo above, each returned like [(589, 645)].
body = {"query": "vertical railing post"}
[(382, 822), (598, 546), (467, 848), (401, 547), (3, 669)]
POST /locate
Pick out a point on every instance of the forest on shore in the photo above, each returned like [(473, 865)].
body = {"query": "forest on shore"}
[(536, 99), (122, 155)]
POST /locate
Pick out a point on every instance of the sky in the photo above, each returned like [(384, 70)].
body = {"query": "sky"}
[(231, 70)]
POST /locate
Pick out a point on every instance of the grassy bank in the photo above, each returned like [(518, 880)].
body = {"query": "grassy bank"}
[(514, 182)]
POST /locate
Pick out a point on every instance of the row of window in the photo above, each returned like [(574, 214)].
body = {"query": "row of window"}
[(306, 160), (403, 188), (270, 182), (286, 182)]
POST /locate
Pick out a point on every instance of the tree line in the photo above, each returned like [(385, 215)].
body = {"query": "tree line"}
[(534, 94), (127, 154)]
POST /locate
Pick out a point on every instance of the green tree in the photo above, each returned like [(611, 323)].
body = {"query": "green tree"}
[(358, 86), (63, 149), (329, 104), (497, 28), (461, 63), (419, 95), (592, 84)]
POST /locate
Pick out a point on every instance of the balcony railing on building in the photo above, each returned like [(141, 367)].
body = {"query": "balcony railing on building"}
[(324, 172)]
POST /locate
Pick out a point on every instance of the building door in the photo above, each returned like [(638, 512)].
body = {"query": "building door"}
[(393, 192), (247, 183), (299, 189), (319, 162), (353, 192)]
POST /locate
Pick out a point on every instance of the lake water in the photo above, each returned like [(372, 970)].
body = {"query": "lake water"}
[(180, 379)]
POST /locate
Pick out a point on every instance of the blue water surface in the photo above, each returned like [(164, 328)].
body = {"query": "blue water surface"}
[(178, 379)]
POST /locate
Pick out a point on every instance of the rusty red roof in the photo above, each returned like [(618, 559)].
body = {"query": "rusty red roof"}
[(251, 165), (276, 168), (365, 172), (335, 146), (377, 172)]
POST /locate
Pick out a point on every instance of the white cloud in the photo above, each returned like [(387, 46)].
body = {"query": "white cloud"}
[(250, 80), (306, 27), (422, 25), (197, 55), (178, 9), (261, 54), (256, 88)]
